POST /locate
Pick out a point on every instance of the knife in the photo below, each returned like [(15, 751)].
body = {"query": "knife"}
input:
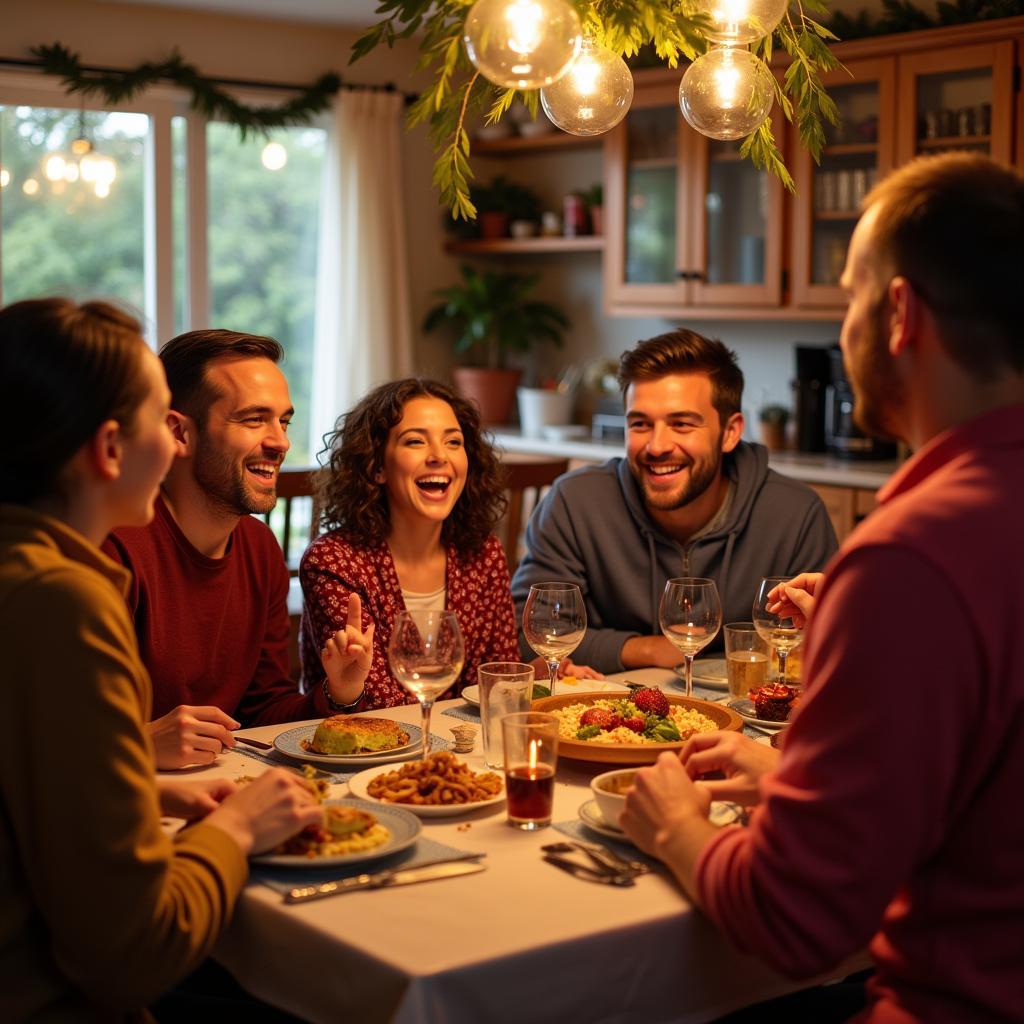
[(384, 880)]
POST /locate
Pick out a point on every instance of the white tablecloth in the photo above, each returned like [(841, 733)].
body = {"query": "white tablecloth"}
[(521, 941)]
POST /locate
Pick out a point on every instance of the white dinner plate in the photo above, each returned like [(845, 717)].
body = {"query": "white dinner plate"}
[(722, 813), (708, 672), (289, 743), (403, 826), (358, 786), (471, 695), (745, 709)]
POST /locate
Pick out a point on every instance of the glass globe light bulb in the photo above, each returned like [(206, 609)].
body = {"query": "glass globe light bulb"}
[(81, 146), (522, 44), (53, 167), (274, 156), (30, 186), (741, 21), (726, 93), (593, 95)]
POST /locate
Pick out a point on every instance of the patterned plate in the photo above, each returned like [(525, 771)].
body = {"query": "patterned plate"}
[(289, 743)]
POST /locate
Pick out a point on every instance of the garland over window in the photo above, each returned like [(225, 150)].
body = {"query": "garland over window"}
[(208, 98)]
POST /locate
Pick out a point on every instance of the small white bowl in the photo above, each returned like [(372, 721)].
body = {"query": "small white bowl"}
[(566, 432), (611, 803)]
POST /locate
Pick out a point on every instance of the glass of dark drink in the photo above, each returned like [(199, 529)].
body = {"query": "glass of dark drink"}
[(531, 755)]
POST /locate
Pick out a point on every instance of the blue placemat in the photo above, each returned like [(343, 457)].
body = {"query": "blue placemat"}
[(423, 851), (276, 760), (465, 714), (575, 829)]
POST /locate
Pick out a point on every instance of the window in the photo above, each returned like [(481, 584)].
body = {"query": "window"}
[(199, 228)]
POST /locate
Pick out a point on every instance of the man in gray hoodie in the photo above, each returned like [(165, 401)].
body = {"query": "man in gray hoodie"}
[(689, 499)]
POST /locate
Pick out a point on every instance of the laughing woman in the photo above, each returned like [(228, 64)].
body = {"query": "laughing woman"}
[(411, 495)]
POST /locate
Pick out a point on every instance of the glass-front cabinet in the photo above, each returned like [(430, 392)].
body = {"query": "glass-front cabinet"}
[(858, 151), (690, 224), (957, 99)]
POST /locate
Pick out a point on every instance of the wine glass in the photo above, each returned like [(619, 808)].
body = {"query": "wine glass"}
[(690, 615), (780, 631), (554, 623), (426, 655)]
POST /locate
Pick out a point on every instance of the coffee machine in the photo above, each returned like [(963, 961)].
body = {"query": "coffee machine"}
[(842, 436), (813, 377)]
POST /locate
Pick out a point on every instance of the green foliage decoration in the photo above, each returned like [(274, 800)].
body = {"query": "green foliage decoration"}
[(674, 29), (208, 98), (490, 314)]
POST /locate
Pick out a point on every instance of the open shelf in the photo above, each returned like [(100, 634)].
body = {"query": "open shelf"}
[(954, 142), (500, 246), (836, 214), (519, 144), (850, 148)]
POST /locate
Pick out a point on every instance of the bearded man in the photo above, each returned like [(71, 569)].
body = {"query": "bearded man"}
[(689, 499), (209, 583)]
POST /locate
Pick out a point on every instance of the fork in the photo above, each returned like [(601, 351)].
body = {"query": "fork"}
[(602, 856), (589, 874)]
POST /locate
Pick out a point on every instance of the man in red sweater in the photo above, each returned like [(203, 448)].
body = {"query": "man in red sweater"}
[(892, 814), (210, 586)]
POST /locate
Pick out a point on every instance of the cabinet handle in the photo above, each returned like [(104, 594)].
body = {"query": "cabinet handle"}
[(689, 275)]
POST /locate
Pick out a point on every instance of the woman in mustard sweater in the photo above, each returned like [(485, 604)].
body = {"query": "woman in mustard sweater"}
[(100, 911)]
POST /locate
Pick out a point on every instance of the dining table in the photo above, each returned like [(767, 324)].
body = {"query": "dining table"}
[(520, 940)]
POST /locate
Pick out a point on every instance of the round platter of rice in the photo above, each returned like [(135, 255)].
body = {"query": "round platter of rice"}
[(621, 745)]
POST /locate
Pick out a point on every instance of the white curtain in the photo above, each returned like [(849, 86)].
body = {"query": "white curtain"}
[(363, 318)]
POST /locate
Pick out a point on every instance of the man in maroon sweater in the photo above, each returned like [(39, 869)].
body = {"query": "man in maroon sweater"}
[(210, 586)]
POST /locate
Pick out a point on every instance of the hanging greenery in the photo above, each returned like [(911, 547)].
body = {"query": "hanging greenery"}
[(674, 27), (213, 102), (904, 16)]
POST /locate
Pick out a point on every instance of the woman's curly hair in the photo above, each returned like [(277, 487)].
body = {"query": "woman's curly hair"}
[(351, 500)]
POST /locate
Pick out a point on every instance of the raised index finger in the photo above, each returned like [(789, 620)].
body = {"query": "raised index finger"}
[(355, 612)]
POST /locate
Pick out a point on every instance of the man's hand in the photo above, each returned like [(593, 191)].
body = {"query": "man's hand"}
[(274, 807), (348, 654), (742, 759), (565, 668), (795, 599), (194, 798), (649, 652), (191, 735), (662, 801)]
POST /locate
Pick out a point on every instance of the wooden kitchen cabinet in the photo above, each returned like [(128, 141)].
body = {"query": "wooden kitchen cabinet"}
[(846, 506), (858, 151), (688, 223)]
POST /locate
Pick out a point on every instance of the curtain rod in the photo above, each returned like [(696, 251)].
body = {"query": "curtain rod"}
[(244, 83)]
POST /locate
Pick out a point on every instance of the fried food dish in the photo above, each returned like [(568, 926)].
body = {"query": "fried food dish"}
[(355, 734), (343, 830), (440, 780)]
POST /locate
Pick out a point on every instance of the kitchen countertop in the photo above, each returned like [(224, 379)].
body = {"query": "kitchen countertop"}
[(818, 469)]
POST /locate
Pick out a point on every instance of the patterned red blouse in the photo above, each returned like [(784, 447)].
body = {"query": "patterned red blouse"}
[(477, 591)]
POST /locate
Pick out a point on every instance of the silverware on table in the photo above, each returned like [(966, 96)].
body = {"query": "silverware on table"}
[(384, 880), (258, 744), (588, 874), (600, 855)]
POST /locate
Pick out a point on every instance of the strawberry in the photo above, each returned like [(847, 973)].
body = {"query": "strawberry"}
[(601, 717), (636, 724), (650, 701)]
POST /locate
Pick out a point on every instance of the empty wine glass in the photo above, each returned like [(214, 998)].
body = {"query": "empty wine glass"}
[(554, 623), (780, 631), (426, 655), (690, 615)]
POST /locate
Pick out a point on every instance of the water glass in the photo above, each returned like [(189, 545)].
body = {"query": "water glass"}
[(506, 688), (531, 756)]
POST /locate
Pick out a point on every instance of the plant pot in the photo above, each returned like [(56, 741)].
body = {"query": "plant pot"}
[(491, 391), (543, 407), (597, 220), (493, 225), (773, 436)]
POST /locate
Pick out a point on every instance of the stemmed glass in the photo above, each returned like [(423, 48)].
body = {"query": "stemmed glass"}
[(690, 615), (780, 631), (426, 655), (554, 623)]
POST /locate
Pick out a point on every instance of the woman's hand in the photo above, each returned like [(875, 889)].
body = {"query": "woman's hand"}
[(194, 798), (190, 735), (795, 599), (743, 761), (347, 655), (270, 809)]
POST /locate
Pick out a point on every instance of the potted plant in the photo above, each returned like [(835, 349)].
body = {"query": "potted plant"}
[(773, 426), (501, 203), (491, 315), (593, 199)]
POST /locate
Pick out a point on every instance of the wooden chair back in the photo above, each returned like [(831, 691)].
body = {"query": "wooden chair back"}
[(528, 478), (294, 518)]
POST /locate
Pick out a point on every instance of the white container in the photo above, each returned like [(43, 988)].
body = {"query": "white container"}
[(543, 407)]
